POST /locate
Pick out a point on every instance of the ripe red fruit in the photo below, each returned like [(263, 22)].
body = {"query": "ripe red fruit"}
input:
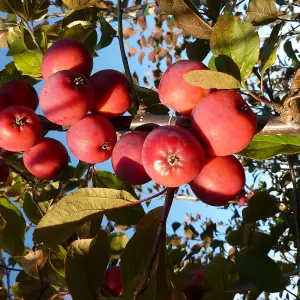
[(66, 97), (92, 139), (4, 170), (112, 97), (18, 92), (225, 123), (46, 159), (20, 128), (177, 94), (67, 54), (127, 158), (112, 281), (195, 290), (221, 180), (172, 156)]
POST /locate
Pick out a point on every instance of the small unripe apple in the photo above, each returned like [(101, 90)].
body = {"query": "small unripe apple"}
[(177, 94), (67, 54), (112, 96), (127, 158), (4, 170), (66, 97), (18, 92), (20, 128), (46, 159), (224, 122), (221, 180), (92, 139), (112, 281), (172, 156)]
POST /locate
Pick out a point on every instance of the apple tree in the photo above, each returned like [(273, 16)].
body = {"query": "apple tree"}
[(219, 104)]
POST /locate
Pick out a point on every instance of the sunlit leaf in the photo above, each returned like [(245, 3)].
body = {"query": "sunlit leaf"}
[(262, 12)]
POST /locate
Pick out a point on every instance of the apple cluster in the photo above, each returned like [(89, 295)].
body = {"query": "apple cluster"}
[(222, 124)]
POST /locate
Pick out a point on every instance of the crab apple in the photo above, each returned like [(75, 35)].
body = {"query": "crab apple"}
[(224, 122), (112, 97), (127, 158), (20, 128), (194, 290), (172, 156), (67, 54), (112, 281), (18, 92), (66, 97), (221, 180), (177, 94), (92, 139), (46, 159), (4, 170)]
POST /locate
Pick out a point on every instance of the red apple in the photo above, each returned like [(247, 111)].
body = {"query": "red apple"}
[(66, 97), (127, 158), (18, 92), (112, 97), (172, 156), (221, 180), (20, 128), (194, 290), (177, 94), (112, 281), (4, 170), (224, 122), (92, 139), (46, 159), (67, 54)]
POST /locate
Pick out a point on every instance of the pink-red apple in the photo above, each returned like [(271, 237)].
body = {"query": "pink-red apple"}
[(20, 128), (67, 54), (112, 96), (46, 159), (177, 94), (224, 122), (18, 92), (92, 139), (66, 97), (112, 281), (172, 156), (221, 180), (127, 158)]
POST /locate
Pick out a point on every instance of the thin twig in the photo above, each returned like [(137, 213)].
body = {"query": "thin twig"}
[(161, 230), (9, 268), (35, 200), (7, 274), (135, 96), (295, 205), (296, 297)]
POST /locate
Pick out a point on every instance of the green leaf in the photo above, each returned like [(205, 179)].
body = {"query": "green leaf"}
[(29, 63), (260, 270), (151, 101), (17, 6), (16, 190), (262, 12), (68, 214), (136, 256), (13, 235), (267, 146), (107, 36), (57, 257), (198, 49), (86, 263), (214, 7), (189, 19), (166, 6), (238, 40), (81, 4), (291, 53), (2, 223), (30, 209), (260, 206), (118, 242), (208, 79), (28, 288), (87, 16), (50, 276)]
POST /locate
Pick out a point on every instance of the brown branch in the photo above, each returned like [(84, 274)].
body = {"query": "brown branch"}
[(161, 230), (135, 96)]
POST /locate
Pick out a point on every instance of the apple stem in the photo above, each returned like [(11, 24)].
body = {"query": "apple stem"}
[(159, 241), (135, 97)]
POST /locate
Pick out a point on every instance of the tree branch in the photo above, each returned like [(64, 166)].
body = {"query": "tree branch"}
[(161, 230), (135, 96)]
